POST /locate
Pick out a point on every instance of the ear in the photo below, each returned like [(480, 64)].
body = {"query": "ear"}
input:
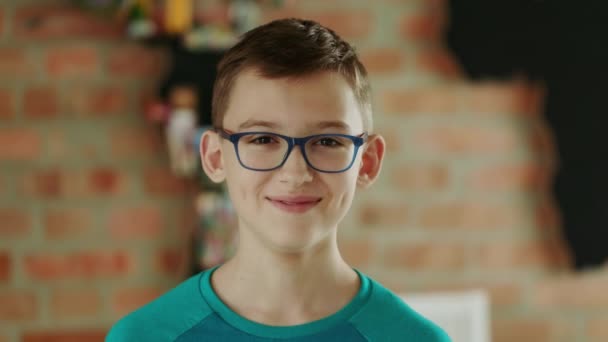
[(371, 160), (211, 156)]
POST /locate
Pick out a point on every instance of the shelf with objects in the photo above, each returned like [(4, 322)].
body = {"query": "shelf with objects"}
[(196, 34)]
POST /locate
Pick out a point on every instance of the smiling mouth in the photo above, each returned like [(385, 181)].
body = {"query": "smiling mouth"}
[(297, 206)]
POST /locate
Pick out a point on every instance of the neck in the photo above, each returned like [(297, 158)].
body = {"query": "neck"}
[(286, 288)]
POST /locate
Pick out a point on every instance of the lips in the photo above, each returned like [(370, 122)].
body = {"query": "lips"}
[(294, 204)]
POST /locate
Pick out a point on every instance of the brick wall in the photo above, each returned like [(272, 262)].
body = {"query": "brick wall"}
[(91, 220), (92, 224)]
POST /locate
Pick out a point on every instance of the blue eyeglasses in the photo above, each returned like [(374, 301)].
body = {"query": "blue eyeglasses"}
[(266, 151)]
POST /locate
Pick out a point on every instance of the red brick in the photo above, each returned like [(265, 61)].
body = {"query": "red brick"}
[(384, 213), (83, 183), (46, 183), (501, 295), (323, 4), (136, 61), (282, 12), (521, 330), (1, 27), (18, 305), (57, 335), (518, 255), (515, 177), (14, 222), (61, 21), (73, 303), (162, 181), (420, 177), (15, 63), (426, 24), (66, 223), (135, 223), (19, 144), (104, 181), (572, 291), (83, 265), (5, 266), (186, 221), (127, 300), (67, 62), (427, 100), (349, 24), (426, 256), (471, 215), (357, 252), (172, 261), (513, 98), (439, 62), (597, 329), (547, 216), (398, 285), (135, 142), (542, 145), (213, 13), (87, 100), (451, 140), (7, 104), (383, 60), (392, 137), (41, 102)]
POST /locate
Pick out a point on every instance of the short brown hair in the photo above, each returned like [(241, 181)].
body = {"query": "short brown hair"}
[(290, 48)]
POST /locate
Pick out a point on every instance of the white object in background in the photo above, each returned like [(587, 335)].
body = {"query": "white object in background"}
[(464, 316), (180, 130)]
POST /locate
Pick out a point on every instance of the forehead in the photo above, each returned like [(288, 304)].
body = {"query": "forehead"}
[(295, 104)]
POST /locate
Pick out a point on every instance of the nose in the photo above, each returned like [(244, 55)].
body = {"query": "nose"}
[(295, 170)]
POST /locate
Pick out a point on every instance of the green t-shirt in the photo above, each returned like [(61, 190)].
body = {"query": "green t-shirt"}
[(193, 312)]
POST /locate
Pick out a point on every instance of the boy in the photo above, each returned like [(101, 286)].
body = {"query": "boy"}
[(292, 140)]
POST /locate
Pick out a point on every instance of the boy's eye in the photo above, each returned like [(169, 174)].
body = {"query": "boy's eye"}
[(327, 141), (261, 139)]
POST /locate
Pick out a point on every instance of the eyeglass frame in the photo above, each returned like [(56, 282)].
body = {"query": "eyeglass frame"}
[(292, 142)]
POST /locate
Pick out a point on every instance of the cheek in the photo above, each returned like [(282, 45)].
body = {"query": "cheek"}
[(342, 186), (244, 185), (235, 173), (235, 178)]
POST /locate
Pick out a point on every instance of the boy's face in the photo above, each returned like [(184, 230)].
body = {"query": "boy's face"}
[(293, 207)]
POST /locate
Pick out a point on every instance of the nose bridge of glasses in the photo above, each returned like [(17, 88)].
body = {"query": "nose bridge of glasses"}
[(301, 142), (296, 145)]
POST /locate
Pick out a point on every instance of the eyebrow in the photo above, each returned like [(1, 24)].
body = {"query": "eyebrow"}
[(258, 123), (272, 125)]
